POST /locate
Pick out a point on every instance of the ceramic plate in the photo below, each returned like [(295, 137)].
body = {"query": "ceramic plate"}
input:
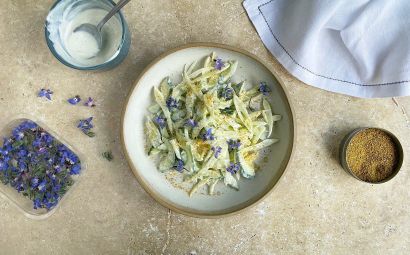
[(157, 184)]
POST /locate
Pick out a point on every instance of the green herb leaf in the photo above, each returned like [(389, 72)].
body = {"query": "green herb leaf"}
[(108, 155), (228, 110), (90, 134)]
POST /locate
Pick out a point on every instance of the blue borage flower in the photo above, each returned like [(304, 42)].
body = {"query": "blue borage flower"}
[(217, 151), (208, 135), (75, 100), (37, 203), (34, 182), (75, 169), (19, 131), (172, 103), (180, 165), (263, 88), (233, 168), (42, 186), (219, 64), (37, 165), (86, 125), (191, 123), (234, 144), (45, 93), (90, 102), (160, 121)]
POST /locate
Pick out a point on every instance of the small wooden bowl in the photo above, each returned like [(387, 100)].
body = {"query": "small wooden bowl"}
[(343, 151)]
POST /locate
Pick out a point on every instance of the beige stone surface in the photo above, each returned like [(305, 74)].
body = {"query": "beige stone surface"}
[(316, 209)]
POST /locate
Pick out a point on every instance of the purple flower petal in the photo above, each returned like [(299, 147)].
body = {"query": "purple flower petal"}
[(180, 166), (219, 64), (75, 100), (86, 126), (160, 121), (233, 168), (42, 186), (217, 151), (45, 93), (264, 89), (208, 135), (75, 169), (90, 102), (234, 144), (191, 123), (172, 103)]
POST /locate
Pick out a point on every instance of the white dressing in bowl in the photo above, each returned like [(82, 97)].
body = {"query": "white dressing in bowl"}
[(80, 48)]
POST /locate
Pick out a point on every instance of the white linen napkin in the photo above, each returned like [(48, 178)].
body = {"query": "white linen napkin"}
[(355, 47)]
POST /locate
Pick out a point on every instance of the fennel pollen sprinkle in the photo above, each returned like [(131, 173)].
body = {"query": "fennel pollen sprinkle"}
[(372, 155)]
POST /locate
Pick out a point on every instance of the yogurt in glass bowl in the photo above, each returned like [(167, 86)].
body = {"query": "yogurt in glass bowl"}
[(78, 49)]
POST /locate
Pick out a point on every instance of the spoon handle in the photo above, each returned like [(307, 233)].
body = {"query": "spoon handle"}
[(113, 11)]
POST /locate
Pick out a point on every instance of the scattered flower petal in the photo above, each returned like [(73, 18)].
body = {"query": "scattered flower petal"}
[(75, 100), (45, 93), (86, 126), (90, 102)]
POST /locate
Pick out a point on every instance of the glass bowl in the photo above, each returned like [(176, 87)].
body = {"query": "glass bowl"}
[(24, 204), (52, 31)]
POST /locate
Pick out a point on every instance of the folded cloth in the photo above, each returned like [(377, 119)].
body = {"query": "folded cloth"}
[(355, 47)]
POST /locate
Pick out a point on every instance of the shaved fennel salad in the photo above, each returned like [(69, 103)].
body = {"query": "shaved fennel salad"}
[(208, 127)]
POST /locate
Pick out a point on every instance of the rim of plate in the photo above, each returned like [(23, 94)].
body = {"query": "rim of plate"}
[(233, 210)]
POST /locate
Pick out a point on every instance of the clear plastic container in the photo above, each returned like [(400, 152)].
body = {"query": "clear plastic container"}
[(24, 204)]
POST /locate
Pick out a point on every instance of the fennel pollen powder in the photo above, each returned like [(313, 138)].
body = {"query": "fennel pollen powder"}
[(372, 155)]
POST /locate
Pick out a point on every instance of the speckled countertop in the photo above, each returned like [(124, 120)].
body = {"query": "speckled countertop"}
[(316, 209)]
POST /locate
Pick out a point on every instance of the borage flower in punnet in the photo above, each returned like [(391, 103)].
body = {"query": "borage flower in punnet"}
[(219, 64), (90, 102), (37, 165), (75, 100), (263, 88), (45, 93), (86, 125), (75, 169)]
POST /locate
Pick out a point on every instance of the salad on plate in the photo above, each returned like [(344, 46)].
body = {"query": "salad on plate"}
[(208, 127)]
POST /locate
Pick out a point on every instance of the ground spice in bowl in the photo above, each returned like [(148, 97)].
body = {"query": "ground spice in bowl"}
[(372, 155)]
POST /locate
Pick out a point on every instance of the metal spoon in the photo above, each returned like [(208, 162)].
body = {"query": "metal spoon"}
[(95, 31)]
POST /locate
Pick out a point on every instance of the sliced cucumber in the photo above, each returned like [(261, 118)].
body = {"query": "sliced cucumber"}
[(229, 180)]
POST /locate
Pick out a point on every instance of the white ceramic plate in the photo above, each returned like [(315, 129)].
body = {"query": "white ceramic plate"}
[(155, 183)]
